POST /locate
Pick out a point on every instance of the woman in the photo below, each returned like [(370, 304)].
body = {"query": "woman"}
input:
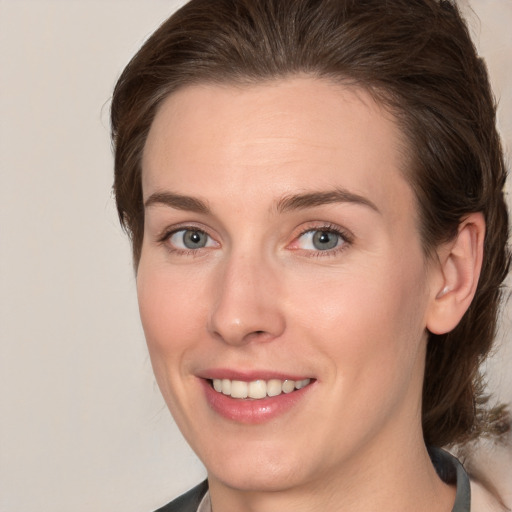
[(313, 189)]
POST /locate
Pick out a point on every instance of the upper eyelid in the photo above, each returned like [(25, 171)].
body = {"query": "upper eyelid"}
[(343, 232), (168, 231), (338, 233), (175, 231)]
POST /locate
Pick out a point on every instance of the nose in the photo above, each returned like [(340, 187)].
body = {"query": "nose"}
[(246, 306)]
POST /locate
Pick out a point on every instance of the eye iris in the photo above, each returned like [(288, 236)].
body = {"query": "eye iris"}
[(324, 240), (194, 239)]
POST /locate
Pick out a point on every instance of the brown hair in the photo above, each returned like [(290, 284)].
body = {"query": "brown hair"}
[(416, 57)]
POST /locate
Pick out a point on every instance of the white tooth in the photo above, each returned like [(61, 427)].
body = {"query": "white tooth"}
[(288, 386), (301, 383), (226, 386), (239, 389), (274, 387), (257, 389)]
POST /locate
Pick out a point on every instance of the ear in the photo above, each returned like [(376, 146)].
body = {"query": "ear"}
[(456, 275)]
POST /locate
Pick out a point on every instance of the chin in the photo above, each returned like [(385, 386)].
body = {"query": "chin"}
[(262, 467), (257, 478)]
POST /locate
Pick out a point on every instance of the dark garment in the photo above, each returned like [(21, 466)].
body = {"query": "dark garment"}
[(187, 502), (448, 468), (450, 471)]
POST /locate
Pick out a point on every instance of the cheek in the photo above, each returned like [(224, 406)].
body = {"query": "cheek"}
[(169, 313), (369, 321)]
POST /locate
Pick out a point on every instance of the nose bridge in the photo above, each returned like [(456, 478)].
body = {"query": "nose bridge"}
[(246, 306)]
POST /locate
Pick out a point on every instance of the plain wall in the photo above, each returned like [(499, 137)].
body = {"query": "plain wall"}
[(82, 423)]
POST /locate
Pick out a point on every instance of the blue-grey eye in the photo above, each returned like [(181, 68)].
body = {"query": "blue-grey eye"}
[(190, 239), (320, 240)]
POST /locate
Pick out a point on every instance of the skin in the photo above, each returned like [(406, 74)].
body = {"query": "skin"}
[(260, 296)]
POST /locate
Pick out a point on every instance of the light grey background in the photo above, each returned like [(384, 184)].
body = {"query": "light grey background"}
[(82, 424)]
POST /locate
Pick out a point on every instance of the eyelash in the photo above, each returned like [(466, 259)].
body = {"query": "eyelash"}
[(346, 238)]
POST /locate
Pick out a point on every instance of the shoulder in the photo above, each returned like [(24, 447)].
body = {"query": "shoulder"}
[(489, 465), (187, 502), (484, 501)]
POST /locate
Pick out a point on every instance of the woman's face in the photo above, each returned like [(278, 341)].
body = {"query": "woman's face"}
[(281, 251)]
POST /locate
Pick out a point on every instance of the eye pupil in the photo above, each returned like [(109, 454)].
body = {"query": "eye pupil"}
[(194, 239), (323, 240)]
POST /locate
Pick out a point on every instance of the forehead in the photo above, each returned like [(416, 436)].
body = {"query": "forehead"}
[(300, 133)]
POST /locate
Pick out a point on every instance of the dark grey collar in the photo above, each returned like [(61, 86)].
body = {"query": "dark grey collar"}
[(450, 471)]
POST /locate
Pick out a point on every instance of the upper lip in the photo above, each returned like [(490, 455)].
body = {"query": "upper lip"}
[(249, 375)]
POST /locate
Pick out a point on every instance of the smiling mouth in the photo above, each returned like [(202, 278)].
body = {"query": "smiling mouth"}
[(257, 389)]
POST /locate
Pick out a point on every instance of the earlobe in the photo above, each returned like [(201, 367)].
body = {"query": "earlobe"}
[(459, 265)]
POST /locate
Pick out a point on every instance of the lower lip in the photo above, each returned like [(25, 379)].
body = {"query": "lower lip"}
[(252, 411)]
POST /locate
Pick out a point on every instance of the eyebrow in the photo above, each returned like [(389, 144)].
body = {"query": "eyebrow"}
[(312, 199), (285, 204), (177, 201)]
